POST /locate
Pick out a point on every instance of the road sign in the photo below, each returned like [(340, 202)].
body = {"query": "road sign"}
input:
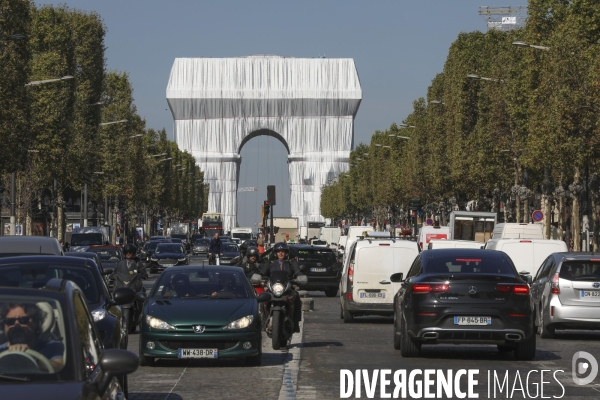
[(537, 216), (429, 221)]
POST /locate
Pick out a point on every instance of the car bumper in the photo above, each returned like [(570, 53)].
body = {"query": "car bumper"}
[(368, 308), (573, 316), (157, 267), (229, 345), (321, 282)]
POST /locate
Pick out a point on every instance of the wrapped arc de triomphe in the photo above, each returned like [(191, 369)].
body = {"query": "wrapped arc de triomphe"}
[(309, 104)]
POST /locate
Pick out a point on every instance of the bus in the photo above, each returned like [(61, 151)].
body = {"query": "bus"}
[(212, 223)]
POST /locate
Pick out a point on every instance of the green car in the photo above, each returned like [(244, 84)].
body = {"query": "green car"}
[(202, 312)]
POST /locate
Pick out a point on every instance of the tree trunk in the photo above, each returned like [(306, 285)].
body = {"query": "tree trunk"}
[(517, 208), (576, 217), (526, 210), (60, 217), (547, 216), (561, 218), (28, 225), (596, 229)]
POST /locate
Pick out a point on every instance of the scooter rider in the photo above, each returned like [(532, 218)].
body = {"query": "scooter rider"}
[(127, 268), (252, 263), (215, 247), (282, 263)]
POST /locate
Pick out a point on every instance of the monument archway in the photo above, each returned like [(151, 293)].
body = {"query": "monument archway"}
[(308, 104)]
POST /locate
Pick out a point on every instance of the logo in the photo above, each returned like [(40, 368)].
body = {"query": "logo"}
[(319, 264), (199, 328), (472, 290), (581, 367), (596, 285)]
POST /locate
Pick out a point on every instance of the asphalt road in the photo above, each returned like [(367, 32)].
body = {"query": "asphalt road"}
[(310, 367)]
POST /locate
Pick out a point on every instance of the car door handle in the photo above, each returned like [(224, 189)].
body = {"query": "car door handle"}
[(385, 282)]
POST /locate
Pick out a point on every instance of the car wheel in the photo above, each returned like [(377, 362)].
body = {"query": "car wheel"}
[(525, 349), (145, 361), (397, 335), (331, 292), (408, 348), (545, 331), (256, 361), (348, 317)]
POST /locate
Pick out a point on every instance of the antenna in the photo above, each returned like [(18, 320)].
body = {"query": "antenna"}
[(504, 18)]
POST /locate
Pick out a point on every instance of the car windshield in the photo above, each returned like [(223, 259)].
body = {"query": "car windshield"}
[(86, 239), (198, 283), (242, 235), (109, 255), (315, 255), (469, 265), (583, 270), (35, 276), (152, 245), (201, 242), (168, 248), (230, 247), (35, 323)]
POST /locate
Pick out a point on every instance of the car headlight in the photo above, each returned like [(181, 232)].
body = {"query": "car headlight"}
[(153, 259), (99, 315), (182, 259), (278, 289), (241, 323), (158, 323)]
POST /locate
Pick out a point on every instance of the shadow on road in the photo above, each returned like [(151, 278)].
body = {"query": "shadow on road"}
[(154, 396), (372, 320), (478, 353), (577, 335), (318, 344)]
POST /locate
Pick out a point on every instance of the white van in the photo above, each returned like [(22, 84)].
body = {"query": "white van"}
[(365, 286), (341, 248), (527, 254), (354, 232), (428, 233), (330, 234), (518, 231), (454, 244), (242, 234)]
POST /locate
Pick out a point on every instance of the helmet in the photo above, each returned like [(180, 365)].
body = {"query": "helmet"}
[(252, 251), (281, 246), (129, 248)]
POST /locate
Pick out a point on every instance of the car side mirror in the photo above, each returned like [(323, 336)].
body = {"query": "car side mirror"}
[(264, 297), (141, 296), (302, 280), (302, 267), (527, 278), (116, 362), (397, 277), (123, 295)]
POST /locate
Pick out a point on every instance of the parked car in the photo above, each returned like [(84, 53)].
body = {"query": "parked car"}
[(464, 296), (566, 293), (168, 255), (202, 312), (21, 245), (365, 285), (200, 246), (81, 367), (527, 254)]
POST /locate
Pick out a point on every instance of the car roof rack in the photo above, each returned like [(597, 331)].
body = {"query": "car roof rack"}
[(375, 235)]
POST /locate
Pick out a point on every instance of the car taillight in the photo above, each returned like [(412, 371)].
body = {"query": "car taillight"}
[(351, 273), (555, 289), (516, 315), (516, 289), (427, 314), (439, 287), (421, 288)]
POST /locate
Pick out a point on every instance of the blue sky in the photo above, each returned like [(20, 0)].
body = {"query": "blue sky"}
[(398, 47)]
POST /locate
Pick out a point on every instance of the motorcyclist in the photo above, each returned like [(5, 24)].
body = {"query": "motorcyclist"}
[(252, 263), (127, 268), (215, 247), (282, 263)]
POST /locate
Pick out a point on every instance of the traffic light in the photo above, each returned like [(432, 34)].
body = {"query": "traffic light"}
[(275, 229), (267, 208)]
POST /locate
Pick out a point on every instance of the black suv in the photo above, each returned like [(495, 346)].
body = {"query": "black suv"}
[(322, 268)]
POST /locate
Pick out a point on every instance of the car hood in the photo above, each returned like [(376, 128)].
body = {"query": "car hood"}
[(168, 255), (79, 248), (231, 254), (109, 265), (47, 391), (215, 312)]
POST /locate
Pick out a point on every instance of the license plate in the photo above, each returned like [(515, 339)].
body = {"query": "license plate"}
[(472, 320), (590, 293), (367, 295), (198, 353), (318, 270)]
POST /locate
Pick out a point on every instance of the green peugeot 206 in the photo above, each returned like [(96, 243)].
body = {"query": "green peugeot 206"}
[(201, 312)]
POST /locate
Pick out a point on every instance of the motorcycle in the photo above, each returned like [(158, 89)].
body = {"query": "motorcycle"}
[(279, 323), (214, 260), (132, 312)]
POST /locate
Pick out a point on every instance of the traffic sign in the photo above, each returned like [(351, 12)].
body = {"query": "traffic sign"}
[(429, 221), (537, 216)]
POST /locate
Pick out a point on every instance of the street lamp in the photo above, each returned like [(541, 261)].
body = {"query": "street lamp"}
[(122, 121), (520, 43), (64, 78)]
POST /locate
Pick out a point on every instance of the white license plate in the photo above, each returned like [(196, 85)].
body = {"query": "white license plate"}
[(368, 295), (472, 320), (590, 293), (318, 270), (198, 353)]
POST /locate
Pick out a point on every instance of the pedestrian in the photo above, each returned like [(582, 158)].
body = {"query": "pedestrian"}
[(260, 243)]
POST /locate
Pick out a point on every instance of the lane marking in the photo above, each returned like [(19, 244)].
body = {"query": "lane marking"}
[(292, 365), (180, 376)]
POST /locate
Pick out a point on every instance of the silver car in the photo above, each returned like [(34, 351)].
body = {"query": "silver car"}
[(566, 293)]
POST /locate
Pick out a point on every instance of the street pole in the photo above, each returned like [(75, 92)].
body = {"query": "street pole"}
[(105, 210), (85, 205), (272, 238), (13, 200)]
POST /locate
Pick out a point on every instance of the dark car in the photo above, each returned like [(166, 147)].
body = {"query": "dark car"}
[(464, 296), (109, 256), (200, 246), (202, 312), (323, 270), (35, 271), (157, 237), (149, 248), (71, 362), (168, 255), (230, 253)]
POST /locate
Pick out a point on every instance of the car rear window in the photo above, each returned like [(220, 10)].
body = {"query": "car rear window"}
[(315, 255), (469, 265), (580, 270)]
